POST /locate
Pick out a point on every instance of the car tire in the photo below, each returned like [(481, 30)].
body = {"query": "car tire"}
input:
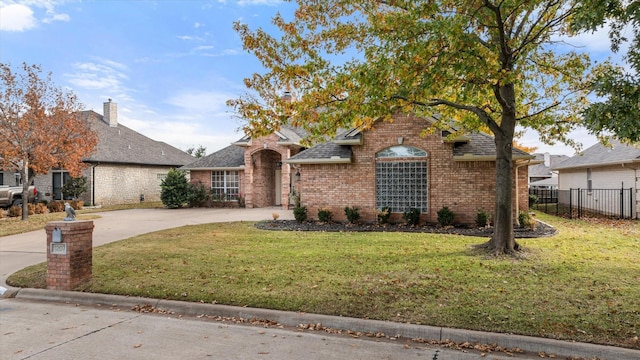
[(17, 202)]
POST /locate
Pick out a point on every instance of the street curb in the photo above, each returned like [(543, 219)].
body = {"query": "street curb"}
[(288, 318)]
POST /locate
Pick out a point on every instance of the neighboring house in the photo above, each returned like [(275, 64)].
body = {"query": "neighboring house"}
[(125, 167), (601, 167), (389, 166), (541, 175)]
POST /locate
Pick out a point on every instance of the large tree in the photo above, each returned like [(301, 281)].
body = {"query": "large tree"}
[(489, 65), (618, 111), (40, 126)]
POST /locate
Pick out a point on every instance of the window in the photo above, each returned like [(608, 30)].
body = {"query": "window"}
[(1, 178), (589, 180), (401, 179), (225, 185), (60, 177)]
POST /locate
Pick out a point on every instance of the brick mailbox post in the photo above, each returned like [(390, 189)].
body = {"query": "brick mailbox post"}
[(69, 253)]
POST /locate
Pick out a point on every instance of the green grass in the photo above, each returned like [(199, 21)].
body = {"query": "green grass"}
[(15, 225), (582, 284)]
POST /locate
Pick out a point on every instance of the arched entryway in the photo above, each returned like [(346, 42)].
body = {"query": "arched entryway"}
[(267, 178)]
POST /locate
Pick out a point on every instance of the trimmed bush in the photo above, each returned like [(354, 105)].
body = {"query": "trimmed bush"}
[(14, 211), (198, 195), (352, 213), (527, 221), (175, 189), (445, 216), (412, 216), (383, 215), (55, 206), (483, 218), (300, 213), (324, 215), (41, 208), (75, 204), (2, 214)]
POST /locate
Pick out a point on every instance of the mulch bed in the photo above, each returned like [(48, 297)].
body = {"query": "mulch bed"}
[(541, 230)]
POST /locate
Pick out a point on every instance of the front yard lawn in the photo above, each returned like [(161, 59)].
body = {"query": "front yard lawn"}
[(582, 284)]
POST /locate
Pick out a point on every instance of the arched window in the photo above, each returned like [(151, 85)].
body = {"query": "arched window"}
[(401, 179)]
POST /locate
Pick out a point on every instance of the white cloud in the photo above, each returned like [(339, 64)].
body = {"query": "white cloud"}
[(202, 103), (16, 17)]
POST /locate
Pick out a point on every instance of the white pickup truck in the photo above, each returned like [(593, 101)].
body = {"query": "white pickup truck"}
[(12, 195)]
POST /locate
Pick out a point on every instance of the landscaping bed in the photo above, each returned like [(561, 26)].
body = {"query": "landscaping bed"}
[(541, 230)]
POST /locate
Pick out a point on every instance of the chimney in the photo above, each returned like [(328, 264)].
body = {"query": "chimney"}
[(547, 160), (110, 113), (287, 96)]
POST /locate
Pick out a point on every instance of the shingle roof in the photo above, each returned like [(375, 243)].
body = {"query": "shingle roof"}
[(230, 157), (541, 170), (324, 152), (119, 144), (599, 155), (481, 145)]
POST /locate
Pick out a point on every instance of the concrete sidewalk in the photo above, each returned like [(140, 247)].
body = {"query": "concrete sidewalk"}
[(97, 322)]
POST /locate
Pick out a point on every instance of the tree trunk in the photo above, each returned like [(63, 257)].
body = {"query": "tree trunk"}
[(24, 175), (503, 240)]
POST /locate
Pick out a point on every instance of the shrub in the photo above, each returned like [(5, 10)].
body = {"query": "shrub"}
[(324, 215), (483, 218), (412, 216), (74, 187), (2, 214), (41, 208), (445, 216), (55, 206), (241, 202), (14, 211), (352, 213), (533, 199), (75, 204), (527, 221), (383, 215), (198, 195), (175, 189), (31, 208), (275, 216), (300, 213)]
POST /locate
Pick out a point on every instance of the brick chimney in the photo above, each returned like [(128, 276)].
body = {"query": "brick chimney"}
[(110, 113)]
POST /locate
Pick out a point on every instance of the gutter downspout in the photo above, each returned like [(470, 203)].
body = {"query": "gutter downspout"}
[(93, 185), (518, 189)]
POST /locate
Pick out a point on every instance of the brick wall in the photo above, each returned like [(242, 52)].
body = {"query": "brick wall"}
[(464, 187), (67, 270)]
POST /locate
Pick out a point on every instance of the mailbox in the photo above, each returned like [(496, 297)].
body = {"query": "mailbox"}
[(56, 236)]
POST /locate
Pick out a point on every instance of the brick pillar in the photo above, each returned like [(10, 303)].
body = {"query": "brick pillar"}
[(69, 262)]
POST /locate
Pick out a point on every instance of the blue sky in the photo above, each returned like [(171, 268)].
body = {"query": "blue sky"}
[(170, 65)]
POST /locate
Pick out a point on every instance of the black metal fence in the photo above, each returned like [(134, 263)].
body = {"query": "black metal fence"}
[(577, 203)]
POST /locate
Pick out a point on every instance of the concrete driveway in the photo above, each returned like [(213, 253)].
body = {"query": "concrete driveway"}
[(20, 251)]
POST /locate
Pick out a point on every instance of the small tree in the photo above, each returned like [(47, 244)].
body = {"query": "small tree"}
[(75, 187), (175, 189), (40, 127)]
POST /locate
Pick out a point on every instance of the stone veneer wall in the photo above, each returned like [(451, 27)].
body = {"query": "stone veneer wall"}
[(464, 187), (123, 184)]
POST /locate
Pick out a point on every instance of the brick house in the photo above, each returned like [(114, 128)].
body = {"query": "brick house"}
[(124, 167), (388, 166)]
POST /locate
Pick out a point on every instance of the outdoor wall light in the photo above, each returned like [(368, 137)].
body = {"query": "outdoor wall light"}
[(297, 175), (400, 140)]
